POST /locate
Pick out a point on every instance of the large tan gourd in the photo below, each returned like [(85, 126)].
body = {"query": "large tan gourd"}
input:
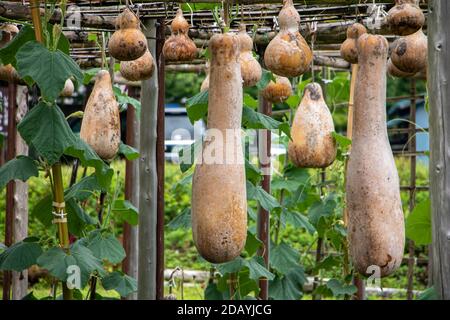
[(278, 91), (179, 47), (375, 217), (405, 17), (219, 202), (393, 71), (288, 54), (139, 69), (348, 47), (100, 127), (128, 42), (312, 145), (250, 68), (410, 53)]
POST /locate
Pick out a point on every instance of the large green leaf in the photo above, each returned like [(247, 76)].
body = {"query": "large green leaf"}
[(46, 129), (49, 69), (297, 220), (429, 294), (77, 218), (105, 246), (338, 288), (56, 261), (124, 100), (189, 154), (418, 224), (21, 168), (126, 211), (252, 243), (43, 211), (283, 258), (321, 208), (257, 268), (289, 286), (120, 282), (212, 292), (266, 77), (81, 150), (181, 221), (266, 200), (252, 172), (129, 152), (252, 119), (20, 255), (83, 189), (197, 106)]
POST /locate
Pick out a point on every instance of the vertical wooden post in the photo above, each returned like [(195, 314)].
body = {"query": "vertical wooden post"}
[(130, 234), (148, 178), (263, 223), (439, 101), (10, 154), (20, 231), (160, 159)]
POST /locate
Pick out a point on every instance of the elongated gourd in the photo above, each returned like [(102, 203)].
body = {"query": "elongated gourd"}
[(312, 145), (250, 68), (410, 53), (100, 127), (288, 54), (405, 17), (278, 91), (179, 47), (205, 83), (375, 217), (219, 202), (139, 69), (128, 42), (348, 47)]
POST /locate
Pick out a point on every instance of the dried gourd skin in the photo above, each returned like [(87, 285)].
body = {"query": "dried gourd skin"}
[(278, 91), (348, 49), (251, 70), (139, 69), (179, 47), (410, 53), (405, 17)]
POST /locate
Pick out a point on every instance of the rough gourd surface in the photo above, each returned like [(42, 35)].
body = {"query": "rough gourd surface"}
[(405, 17), (312, 145), (128, 42), (349, 51), (393, 71), (375, 217), (100, 127), (410, 53), (278, 91), (219, 202), (250, 68), (288, 54), (8, 72), (179, 47), (139, 69)]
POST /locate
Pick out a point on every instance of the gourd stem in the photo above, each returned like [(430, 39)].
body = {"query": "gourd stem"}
[(58, 187)]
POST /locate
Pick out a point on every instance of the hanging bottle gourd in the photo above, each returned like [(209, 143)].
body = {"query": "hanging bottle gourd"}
[(288, 54), (348, 48), (68, 89), (278, 91), (139, 69), (396, 72), (312, 145), (128, 42), (250, 68), (100, 127), (8, 72), (205, 83), (375, 217), (179, 47), (405, 17), (410, 53), (219, 201)]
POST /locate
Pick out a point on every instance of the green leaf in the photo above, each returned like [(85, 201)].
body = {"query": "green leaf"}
[(257, 268), (83, 189), (252, 244), (266, 77), (56, 261), (120, 282), (293, 101), (129, 152), (182, 221), (20, 168), (45, 128), (252, 119), (213, 293), (81, 150), (105, 246), (283, 258), (124, 100), (49, 69), (338, 288), (341, 140), (266, 200), (43, 211), (429, 294), (231, 266), (251, 102), (188, 155), (126, 211), (77, 218), (252, 172), (20, 255), (8, 53), (418, 224), (319, 209), (297, 220), (328, 263), (89, 74), (289, 286), (197, 106), (2, 139)]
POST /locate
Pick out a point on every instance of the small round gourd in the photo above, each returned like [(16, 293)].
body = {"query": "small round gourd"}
[(278, 91), (250, 68), (139, 69), (349, 51), (179, 47), (68, 89), (405, 17), (128, 42), (410, 53)]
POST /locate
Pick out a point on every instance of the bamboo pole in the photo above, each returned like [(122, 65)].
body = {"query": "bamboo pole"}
[(148, 179)]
